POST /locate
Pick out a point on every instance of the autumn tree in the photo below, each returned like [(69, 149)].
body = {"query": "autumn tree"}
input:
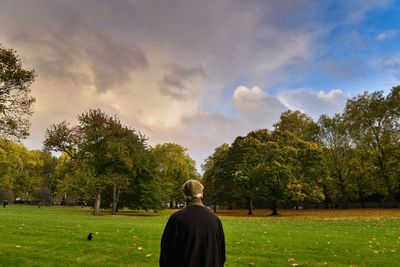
[(15, 96), (98, 145)]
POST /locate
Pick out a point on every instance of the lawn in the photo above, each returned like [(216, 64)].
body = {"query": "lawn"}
[(56, 236)]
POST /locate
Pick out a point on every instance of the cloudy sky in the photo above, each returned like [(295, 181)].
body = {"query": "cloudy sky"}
[(199, 72)]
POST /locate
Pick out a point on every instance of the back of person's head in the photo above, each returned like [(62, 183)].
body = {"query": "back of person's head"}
[(192, 189)]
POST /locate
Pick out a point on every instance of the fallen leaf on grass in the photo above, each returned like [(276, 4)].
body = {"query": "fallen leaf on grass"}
[(295, 264), (139, 248), (291, 259), (17, 246), (252, 264), (148, 255)]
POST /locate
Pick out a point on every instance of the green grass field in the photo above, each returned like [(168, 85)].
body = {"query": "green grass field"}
[(56, 236)]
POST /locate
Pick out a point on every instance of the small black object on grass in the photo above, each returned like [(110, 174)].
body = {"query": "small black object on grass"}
[(89, 237)]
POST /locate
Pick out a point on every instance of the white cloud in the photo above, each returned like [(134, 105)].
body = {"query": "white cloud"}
[(315, 103), (257, 108), (387, 34)]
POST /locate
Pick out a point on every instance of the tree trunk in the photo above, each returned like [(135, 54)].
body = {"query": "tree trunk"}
[(392, 199), (116, 190), (326, 200), (114, 197), (391, 195), (215, 207), (274, 208), (362, 199), (171, 205), (118, 194), (250, 205), (344, 198), (97, 201)]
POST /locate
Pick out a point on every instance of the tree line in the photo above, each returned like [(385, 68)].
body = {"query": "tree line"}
[(347, 157), (102, 163)]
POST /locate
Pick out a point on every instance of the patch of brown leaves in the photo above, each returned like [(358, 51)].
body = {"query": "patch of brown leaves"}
[(317, 214)]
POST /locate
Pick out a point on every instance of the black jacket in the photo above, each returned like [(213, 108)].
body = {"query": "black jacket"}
[(193, 237)]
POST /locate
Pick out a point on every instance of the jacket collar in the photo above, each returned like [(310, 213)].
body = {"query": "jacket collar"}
[(194, 202)]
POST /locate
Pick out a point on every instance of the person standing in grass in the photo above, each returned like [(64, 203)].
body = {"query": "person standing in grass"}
[(194, 235)]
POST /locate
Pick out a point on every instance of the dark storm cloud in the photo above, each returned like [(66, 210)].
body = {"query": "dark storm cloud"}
[(112, 61), (71, 49), (179, 82)]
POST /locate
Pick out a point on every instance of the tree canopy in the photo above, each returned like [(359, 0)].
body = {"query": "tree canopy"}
[(15, 96), (175, 167), (100, 146)]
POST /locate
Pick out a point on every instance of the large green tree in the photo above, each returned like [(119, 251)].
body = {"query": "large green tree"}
[(175, 167), (275, 166), (211, 171), (15, 96), (291, 168), (244, 158), (338, 154), (299, 124), (49, 178), (74, 180), (99, 146), (21, 170), (373, 122), (363, 175)]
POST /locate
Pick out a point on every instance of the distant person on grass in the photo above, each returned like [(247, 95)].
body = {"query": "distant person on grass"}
[(5, 203), (194, 235)]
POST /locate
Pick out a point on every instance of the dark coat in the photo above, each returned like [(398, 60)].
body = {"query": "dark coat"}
[(193, 237)]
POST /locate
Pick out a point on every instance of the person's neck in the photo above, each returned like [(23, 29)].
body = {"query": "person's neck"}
[(194, 202)]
